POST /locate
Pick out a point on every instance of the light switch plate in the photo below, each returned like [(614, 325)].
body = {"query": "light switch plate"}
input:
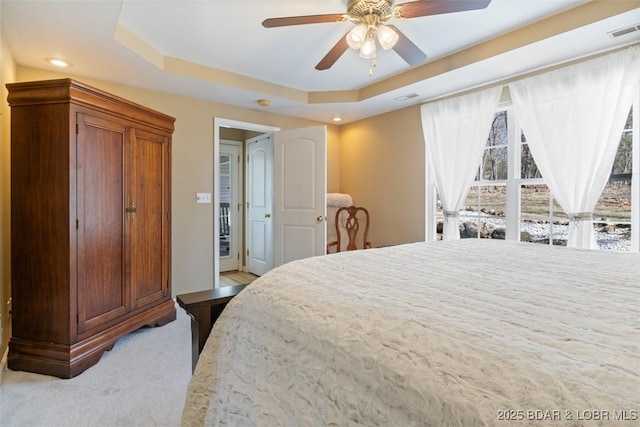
[(203, 197)]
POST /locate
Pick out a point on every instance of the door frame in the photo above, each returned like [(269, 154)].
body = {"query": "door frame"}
[(219, 122)]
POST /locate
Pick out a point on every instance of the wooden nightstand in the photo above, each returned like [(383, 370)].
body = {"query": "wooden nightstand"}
[(204, 308)]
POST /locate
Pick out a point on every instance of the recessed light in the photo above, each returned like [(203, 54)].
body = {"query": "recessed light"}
[(58, 62), (336, 118)]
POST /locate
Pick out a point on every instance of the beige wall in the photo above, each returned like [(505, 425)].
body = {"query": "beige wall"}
[(379, 162), (192, 169), (382, 167), (7, 74)]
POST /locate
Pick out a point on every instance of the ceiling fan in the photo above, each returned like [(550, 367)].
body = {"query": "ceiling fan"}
[(370, 18)]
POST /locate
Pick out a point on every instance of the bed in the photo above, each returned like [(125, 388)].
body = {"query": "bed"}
[(451, 333)]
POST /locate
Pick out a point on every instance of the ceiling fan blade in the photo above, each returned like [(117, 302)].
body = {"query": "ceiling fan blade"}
[(300, 20), (407, 50), (419, 8), (332, 56)]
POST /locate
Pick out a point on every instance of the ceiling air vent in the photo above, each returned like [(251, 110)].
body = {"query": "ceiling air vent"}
[(625, 30), (406, 97)]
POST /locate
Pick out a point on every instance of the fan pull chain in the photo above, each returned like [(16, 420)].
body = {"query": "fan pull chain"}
[(373, 65)]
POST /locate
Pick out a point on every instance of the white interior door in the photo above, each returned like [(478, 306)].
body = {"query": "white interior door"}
[(299, 207), (229, 216), (259, 204)]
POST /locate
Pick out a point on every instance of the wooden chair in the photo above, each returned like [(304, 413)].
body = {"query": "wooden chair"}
[(348, 229)]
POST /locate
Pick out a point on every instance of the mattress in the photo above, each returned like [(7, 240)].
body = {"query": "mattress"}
[(451, 333)]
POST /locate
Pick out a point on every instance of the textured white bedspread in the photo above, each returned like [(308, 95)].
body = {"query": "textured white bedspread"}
[(454, 333)]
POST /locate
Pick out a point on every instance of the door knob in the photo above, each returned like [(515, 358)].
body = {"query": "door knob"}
[(267, 215), (320, 218)]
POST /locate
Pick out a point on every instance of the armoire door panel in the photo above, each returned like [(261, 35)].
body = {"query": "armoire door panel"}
[(149, 224), (102, 292)]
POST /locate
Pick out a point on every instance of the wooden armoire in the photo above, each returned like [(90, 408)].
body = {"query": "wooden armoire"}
[(90, 224)]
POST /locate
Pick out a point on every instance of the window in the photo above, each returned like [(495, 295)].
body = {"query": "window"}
[(486, 203), (542, 219), (509, 198), (612, 214)]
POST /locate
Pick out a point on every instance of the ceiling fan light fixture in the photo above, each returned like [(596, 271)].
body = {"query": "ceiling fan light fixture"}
[(373, 15), (357, 36), (387, 37), (368, 48)]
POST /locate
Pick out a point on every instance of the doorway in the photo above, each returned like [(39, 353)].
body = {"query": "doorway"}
[(298, 194), (245, 131)]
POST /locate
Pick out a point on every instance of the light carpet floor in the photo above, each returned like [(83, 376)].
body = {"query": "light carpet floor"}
[(141, 382)]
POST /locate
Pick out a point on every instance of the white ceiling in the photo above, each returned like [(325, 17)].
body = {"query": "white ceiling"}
[(219, 51)]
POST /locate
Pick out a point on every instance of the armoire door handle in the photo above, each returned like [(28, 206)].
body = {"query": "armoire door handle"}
[(131, 209)]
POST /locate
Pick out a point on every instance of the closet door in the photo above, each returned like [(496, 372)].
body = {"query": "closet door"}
[(102, 144), (149, 224)]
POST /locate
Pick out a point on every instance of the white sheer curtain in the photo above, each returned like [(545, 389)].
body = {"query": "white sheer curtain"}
[(455, 134), (573, 118)]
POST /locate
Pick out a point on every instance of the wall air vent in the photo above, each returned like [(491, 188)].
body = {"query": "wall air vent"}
[(625, 30)]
